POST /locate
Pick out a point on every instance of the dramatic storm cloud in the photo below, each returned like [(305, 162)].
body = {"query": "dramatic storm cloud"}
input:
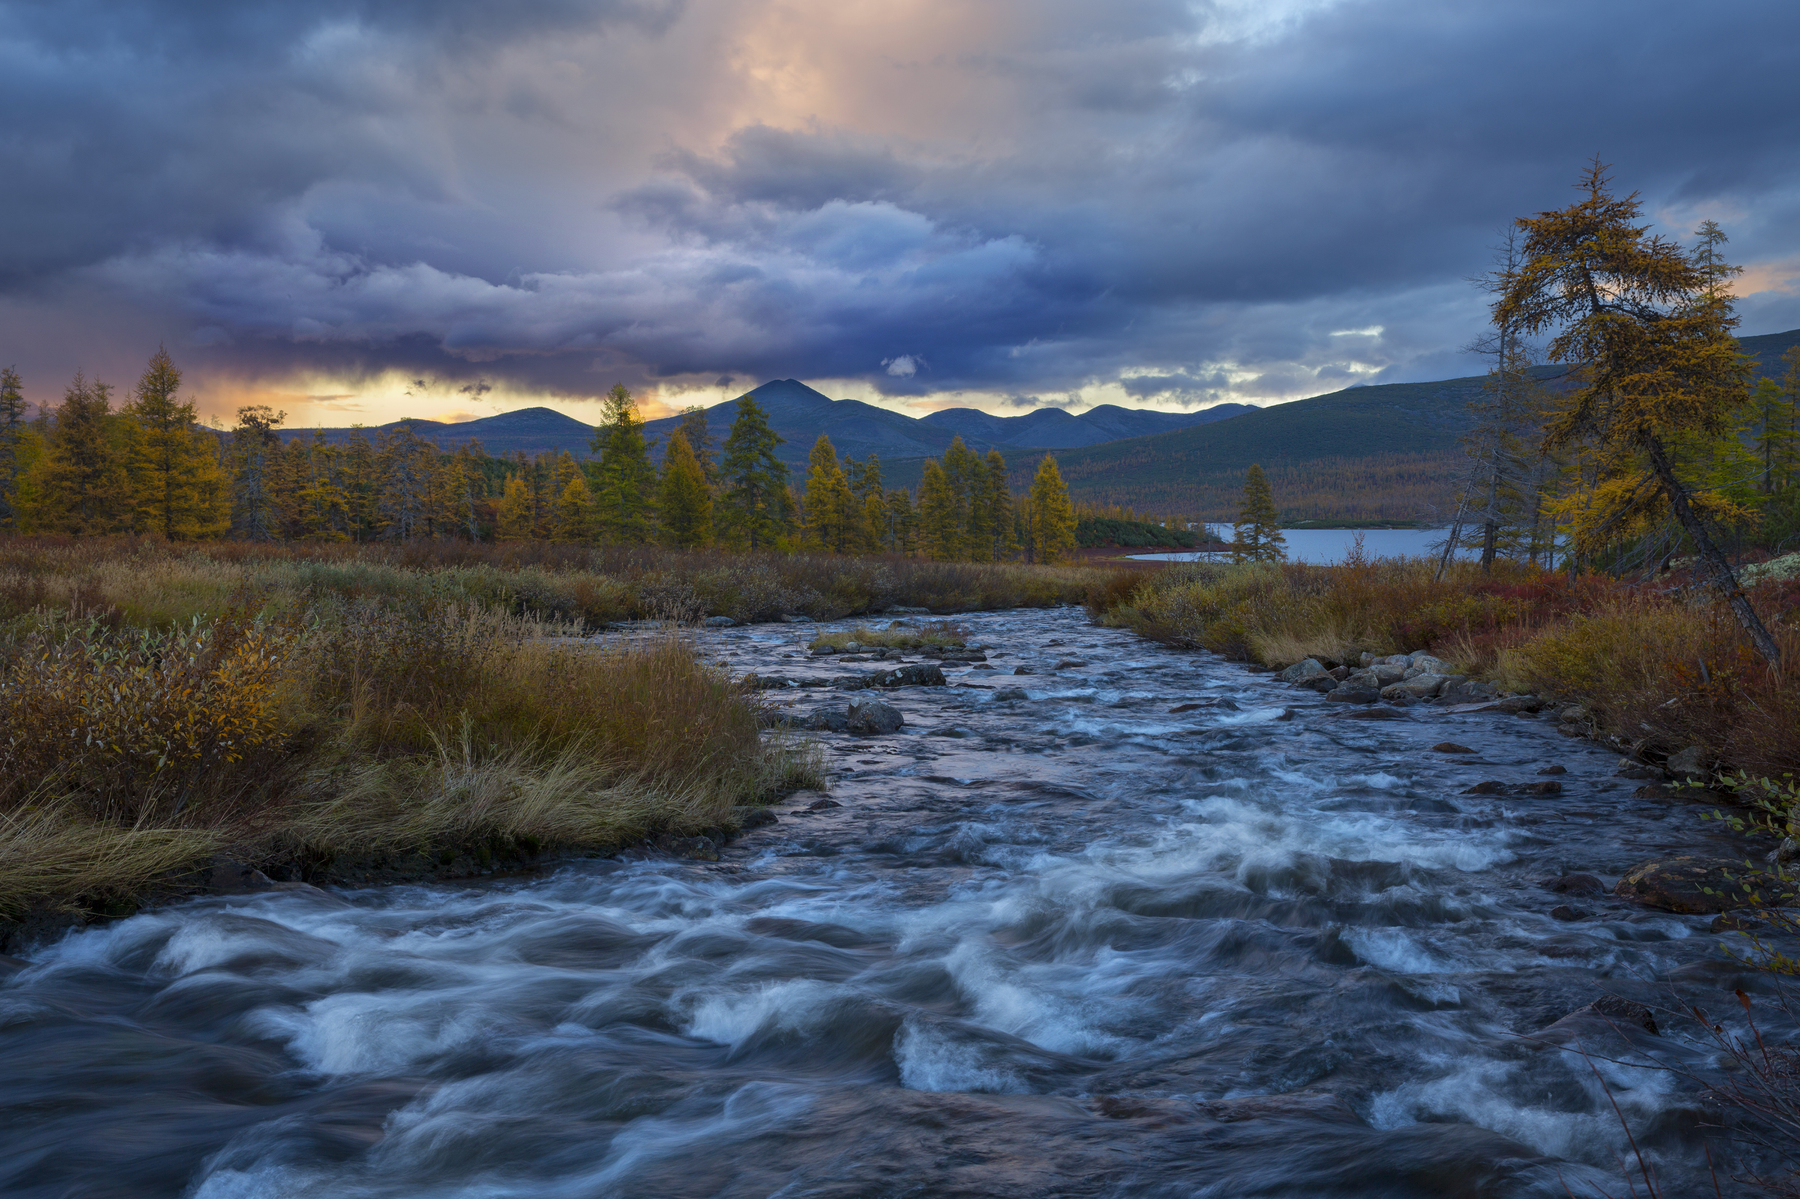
[(1014, 202)]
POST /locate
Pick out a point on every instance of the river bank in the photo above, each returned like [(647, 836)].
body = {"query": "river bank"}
[(1655, 670), (1099, 917)]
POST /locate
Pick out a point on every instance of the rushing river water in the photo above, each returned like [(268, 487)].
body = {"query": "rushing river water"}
[(1083, 943)]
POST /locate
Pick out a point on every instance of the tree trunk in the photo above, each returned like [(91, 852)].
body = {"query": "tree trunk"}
[(1722, 577)]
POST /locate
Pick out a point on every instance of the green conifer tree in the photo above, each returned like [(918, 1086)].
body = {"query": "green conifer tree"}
[(12, 446), (700, 440), (1257, 534), (625, 483), (255, 448), (755, 509)]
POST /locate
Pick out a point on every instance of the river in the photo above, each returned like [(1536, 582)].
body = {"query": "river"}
[(1325, 546), (1095, 941)]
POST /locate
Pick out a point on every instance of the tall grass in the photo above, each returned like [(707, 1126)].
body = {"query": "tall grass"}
[(1658, 669), (159, 707)]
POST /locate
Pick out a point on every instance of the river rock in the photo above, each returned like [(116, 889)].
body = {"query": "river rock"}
[(1575, 884), (897, 610), (1490, 787), (1689, 765), (872, 717), (1322, 683), (1010, 694), (1450, 747), (1414, 686), (228, 877), (1546, 788), (1401, 660), (1567, 914), (1345, 693), (829, 720), (1024, 669), (920, 674), (1467, 691), (824, 651), (751, 816), (1369, 713), (718, 622), (792, 618), (1307, 669), (1426, 664), (1210, 702), (698, 849), (1693, 885)]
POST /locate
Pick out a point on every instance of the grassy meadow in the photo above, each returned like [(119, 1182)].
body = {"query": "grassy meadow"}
[(310, 709)]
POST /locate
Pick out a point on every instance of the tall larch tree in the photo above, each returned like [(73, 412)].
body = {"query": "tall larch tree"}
[(940, 535), (1003, 543), (175, 470), (515, 519), (754, 510), (625, 483), (686, 501), (1052, 516), (1256, 535), (698, 433), (1646, 328), (830, 508), (86, 480)]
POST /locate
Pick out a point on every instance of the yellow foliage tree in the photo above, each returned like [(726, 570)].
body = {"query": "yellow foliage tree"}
[(1052, 516), (1647, 328), (686, 502)]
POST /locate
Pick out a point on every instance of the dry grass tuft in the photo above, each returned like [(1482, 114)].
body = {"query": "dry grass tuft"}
[(899, 635)]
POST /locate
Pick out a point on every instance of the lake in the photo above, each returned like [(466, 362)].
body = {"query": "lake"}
[(1323, 546)]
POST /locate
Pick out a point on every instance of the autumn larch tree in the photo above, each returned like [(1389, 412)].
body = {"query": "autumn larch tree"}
[(1256, 536), (832, 514), (179, 487), (939, 537), (700, 440), (1647, 328), (86, 481), (1052, 516), (686, 502)]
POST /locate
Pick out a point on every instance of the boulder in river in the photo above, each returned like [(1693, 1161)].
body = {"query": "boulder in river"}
[(872, 717), (1426, 664), (718, 622), (1697, 886), (1450, 747), (1575, 884), (920, 674), (1347, 693), (1009, 694), (228, 877)]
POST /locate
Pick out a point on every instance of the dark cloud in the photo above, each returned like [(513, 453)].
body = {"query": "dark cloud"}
[(1022, 199)]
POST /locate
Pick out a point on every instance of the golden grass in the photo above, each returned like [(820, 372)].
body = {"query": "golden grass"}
[(943, 634), (294, 722), (1658, 670)]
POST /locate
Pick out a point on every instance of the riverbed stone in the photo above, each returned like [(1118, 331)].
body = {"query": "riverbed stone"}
[(1426, 664), (920, 674), (1575, 884), (872, 718), (1468, 691), (1450, 747), (1693, 885), (1375, 712), (1009, 695), (1307, 668), (718, 622), (1346, 694)]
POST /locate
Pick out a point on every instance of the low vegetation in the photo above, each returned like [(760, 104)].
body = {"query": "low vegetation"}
[(313, 708), (1659, 667), (942, 634)]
